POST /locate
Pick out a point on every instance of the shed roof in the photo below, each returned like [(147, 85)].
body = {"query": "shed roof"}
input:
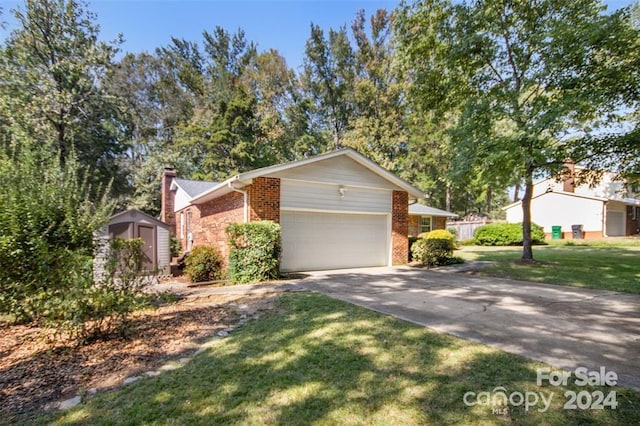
[(134, 214)]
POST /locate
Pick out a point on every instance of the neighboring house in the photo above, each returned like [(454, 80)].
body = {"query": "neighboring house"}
[(606, 210), (336, 210), (154, 234), (424, 219)]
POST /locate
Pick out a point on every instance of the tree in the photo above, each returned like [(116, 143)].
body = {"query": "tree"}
[(54, 70), (329, 73), (533, 81)]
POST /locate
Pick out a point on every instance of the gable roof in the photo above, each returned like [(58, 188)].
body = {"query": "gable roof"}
[(192, 187), (243, 179), (569, 194), (421, 209), (134, 214)]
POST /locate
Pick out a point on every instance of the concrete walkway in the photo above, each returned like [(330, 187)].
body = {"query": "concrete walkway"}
[(563, 326)]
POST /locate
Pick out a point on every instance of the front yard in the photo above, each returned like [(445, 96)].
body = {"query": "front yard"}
[(311, 359), (605, 264)]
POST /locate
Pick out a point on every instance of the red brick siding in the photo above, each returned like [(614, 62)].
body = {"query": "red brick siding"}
[(439, 222), (168, 199), (632, 225), (400, 228), (264, 199), (209, 221), (414, 225)]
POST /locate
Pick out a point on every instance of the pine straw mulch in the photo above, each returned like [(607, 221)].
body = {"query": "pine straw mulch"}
[(34, 371)]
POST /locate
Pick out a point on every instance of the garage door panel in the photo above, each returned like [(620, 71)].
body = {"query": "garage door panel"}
[(316, 241)]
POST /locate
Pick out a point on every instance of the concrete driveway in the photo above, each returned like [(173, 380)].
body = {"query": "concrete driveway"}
[(563, 326)]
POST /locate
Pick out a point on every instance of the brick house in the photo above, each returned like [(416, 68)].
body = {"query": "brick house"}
[(425, 218), (336, 210)]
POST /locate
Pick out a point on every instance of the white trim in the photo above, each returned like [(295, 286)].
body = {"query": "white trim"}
[(299, 209), (389, 240)]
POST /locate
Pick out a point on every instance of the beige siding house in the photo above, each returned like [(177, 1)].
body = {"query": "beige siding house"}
[(606, 210)]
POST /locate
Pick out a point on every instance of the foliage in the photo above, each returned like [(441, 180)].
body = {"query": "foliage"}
[(526, 84), (453, 231), (433, 252), (506, 234), (255, 251), (91, 310), (47, 223), (54, 73), (440, 234), (175, 246), (203, 263)]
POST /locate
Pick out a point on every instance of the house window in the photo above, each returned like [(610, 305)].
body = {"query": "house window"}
[(182, 225), (635, 213), (425, 224)]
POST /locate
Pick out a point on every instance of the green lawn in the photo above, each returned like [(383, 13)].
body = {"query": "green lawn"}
[(321, 361), (607, 264)]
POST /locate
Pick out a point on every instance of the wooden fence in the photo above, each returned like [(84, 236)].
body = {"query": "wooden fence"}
[(465, 229)]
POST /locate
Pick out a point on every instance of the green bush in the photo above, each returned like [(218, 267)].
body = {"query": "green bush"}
[(440, 234), (255, 251), (453, 231), (506, 234), (91, 310), (432, 252), (175, 246), (48, 217), (203, 263), (411, 241)]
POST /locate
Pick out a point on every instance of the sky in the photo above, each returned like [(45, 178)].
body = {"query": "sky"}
[(283, 25)]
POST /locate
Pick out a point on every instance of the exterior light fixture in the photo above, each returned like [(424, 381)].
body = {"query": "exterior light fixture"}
[(342, 190)]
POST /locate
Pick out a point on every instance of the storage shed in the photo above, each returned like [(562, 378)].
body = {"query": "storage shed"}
[(155, 234)]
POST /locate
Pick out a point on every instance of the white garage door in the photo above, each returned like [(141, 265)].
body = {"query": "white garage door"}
[(317, 241), (615, 223)]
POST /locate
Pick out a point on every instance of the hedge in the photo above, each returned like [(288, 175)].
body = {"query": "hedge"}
[(506, 234), (203, 263), (255, 251)]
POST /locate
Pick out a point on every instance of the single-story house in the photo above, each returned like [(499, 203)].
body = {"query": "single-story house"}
[(424, 219), (604, 210), (155, 235), (336, 210)]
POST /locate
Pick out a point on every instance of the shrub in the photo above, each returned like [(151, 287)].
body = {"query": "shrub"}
[(48, 217), (453, 231), (411, 241), (506, 234), (175, 246), (432, 252), (255, 251), (203, 263), (439, 234)]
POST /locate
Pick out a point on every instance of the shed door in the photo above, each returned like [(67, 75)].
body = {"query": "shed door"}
[(148, 246), (615, 224), (317, 241)]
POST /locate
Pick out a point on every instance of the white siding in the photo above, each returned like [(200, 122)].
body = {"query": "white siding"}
[(318, 196), (317, 241), (181, 201), (163, 249), (553, 209), (338, 170)]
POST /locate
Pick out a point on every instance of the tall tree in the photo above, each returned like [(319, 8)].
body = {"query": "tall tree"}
[(54, 70), (329, 74), (377, 128), (535, 79)]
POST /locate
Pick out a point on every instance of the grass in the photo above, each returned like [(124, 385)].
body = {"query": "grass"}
[(604, 264), (314, 360)]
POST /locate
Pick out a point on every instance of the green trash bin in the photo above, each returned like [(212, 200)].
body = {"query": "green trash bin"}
[(556, 232)]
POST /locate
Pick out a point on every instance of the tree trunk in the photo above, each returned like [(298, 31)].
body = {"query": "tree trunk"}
[(489, 199), (516, 192), (527, 251), (447, 198)]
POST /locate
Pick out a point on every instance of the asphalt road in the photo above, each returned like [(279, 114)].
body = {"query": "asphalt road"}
[(563, 326)]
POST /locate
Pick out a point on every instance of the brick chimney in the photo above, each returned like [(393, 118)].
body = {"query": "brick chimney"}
[(568, 176), (167, 214)]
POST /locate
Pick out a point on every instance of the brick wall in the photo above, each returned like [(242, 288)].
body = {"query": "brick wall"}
[(167, 200), (439, 222), (264, 199), (414, 225), (209, 221), (400, 228), (632, 225)]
